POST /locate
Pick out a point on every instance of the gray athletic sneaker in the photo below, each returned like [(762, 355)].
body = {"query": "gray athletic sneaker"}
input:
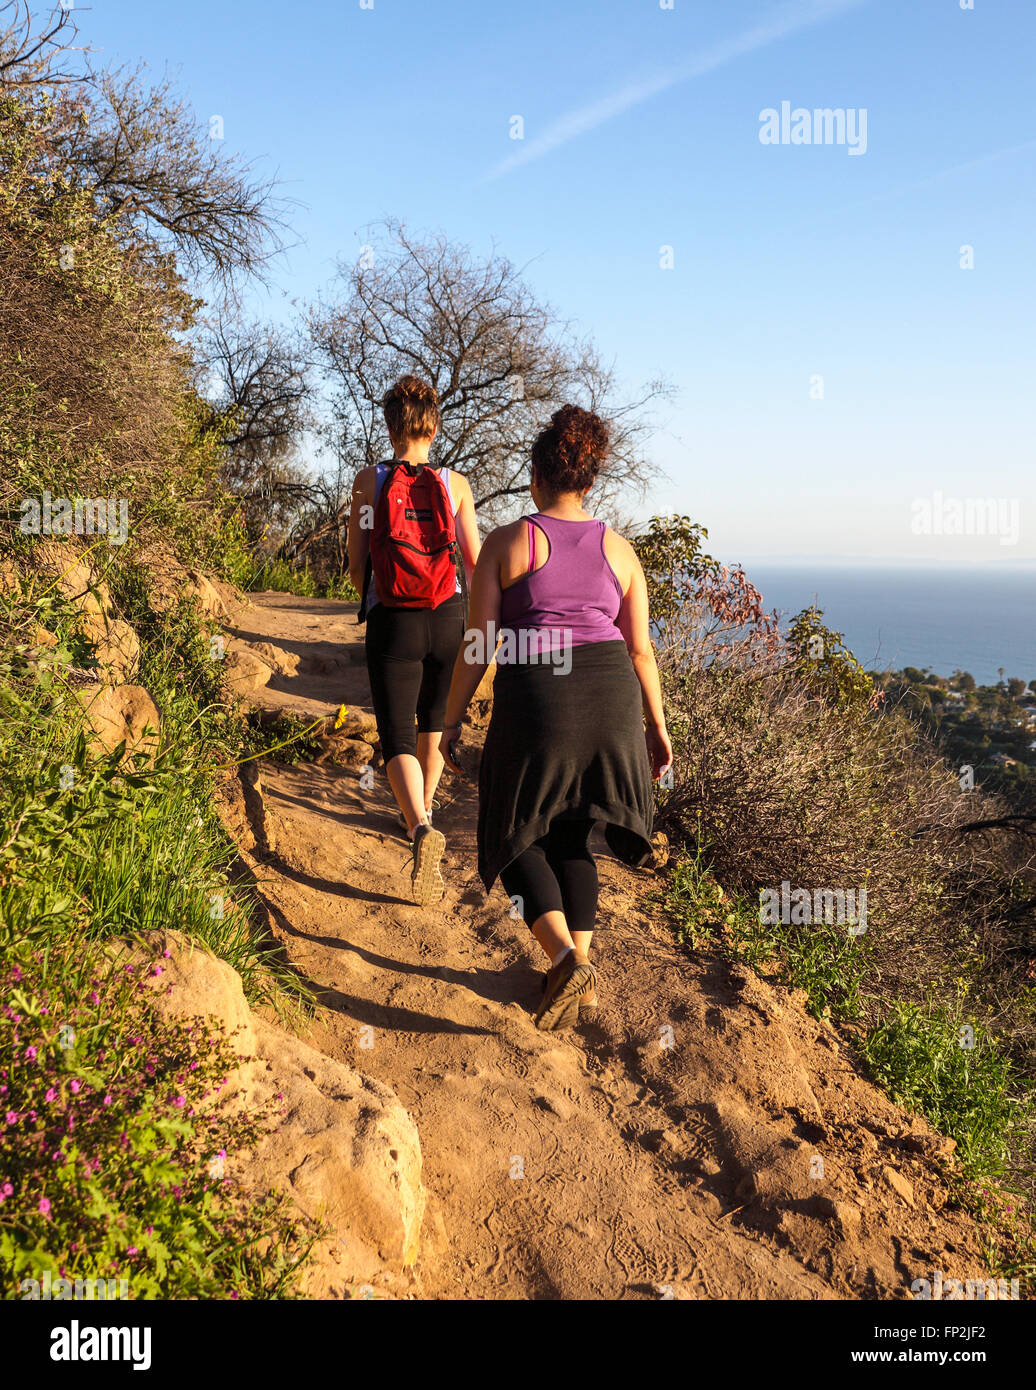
[(426, 879), (588, 1002)]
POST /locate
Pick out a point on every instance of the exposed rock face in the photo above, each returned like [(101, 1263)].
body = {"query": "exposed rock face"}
[(233, 809), (206, 594), (345, 1151), (120, 713), (283, 662), (351, 743), (169, 581), (116, 649), (77, 576), (353, 754), (73, 575), (263, 840), (355, 723), (245, 670)]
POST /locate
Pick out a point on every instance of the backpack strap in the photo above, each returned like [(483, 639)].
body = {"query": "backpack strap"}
[(458, 558)]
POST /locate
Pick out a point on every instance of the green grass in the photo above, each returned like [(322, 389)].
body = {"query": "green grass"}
[(822, 959), (283, 578), (94, 850), (940, 1063)]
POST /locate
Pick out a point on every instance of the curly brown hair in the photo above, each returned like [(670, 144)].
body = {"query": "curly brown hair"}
[(411, 409), (569, 453)]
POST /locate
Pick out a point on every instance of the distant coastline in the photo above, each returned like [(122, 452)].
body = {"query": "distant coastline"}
[(892, 615)]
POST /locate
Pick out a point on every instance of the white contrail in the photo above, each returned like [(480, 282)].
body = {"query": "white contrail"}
[(791, 17)]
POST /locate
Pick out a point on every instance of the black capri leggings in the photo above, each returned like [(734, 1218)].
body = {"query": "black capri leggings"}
[(556, 874), (410, 658)]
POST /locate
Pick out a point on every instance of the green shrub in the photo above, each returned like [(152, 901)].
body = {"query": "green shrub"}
[(284, 578), (954, 1071), (822, 959), (107, 1137)]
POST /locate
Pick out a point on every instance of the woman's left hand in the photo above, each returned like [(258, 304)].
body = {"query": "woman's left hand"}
[(448, 747)]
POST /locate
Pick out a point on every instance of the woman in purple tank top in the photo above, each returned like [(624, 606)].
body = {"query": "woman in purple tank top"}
[(577, 731)]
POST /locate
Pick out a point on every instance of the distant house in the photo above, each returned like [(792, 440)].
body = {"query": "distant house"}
[(1002, 760)]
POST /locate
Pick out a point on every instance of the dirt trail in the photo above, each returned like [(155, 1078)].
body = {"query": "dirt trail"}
[(707, 1139)]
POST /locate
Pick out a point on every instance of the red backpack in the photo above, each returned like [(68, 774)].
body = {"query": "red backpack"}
[(413, 550)]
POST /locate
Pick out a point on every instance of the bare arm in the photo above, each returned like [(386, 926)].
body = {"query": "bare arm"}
[(467, 527), (635, 625), (476, 653)]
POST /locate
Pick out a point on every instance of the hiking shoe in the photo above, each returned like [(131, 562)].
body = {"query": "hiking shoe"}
[(588, 1001), (426, 881), (565, 984)]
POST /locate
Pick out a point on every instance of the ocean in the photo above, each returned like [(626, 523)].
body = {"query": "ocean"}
[(905, 615)]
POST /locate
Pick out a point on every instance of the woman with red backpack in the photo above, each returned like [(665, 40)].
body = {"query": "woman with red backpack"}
[(413, 544)]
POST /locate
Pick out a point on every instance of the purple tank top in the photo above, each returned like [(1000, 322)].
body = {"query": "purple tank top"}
[(575, 594)]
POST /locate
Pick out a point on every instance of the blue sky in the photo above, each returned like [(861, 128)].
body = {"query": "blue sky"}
[(641, 129)]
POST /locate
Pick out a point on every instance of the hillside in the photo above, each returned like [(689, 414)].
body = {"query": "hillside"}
[(708, 1139)]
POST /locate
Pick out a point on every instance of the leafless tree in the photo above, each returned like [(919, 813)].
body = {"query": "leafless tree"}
[(500, 359), (143, 156), (253, 375), (32, 53)]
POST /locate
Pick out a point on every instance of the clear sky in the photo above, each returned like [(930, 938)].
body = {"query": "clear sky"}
[(642, 131)]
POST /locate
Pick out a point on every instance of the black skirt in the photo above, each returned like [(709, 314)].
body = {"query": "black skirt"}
[(565, 745)]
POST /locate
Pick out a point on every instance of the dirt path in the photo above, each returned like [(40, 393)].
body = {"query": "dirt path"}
[(707, 1140)]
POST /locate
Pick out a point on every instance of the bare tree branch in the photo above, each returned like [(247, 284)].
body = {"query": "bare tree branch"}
[(501, 361), (29, 57)]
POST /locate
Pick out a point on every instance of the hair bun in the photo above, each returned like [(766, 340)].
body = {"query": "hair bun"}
[(411, 409), (581, 436), (569, 453), (412, 388)]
